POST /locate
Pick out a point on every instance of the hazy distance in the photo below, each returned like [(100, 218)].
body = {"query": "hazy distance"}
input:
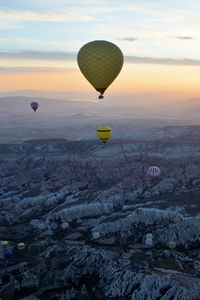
[(76, 116)]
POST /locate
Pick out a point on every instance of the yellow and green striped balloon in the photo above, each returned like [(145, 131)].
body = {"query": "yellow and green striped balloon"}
[(100, 62), (104, 133)]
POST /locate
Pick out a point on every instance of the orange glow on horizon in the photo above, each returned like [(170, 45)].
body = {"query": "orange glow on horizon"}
[(134, 78)]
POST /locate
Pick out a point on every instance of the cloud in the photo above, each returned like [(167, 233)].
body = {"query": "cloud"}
[(9, 25), (34, 69), (184, 37), (129, 39), (71, 56), (11, 17), (163, 61), (39, 55)]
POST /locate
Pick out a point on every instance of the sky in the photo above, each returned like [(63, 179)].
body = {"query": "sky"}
[(39, 41)]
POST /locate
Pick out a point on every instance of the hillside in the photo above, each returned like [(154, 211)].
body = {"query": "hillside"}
[(104, 194)]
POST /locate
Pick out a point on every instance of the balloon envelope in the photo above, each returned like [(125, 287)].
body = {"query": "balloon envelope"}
[(172, 245), (4, 244), (34, 105), (20, 246), (95, 235), (8, 253), (149, 236), (65, 225), (149, 242), (153, 172), (100, 62), (104, 133)]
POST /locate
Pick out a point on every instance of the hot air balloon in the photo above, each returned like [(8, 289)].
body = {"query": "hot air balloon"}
[(149, 242), (104, 133), (172, 245), (20, 246), (34, 105), (100, 62), (65, 225), (95, 235), (4, 244), (153, 173), (149, 236), (8, 253)]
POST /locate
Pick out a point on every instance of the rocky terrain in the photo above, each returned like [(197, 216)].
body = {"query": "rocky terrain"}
[(104, 195)]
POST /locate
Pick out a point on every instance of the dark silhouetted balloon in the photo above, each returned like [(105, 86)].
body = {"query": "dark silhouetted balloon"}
[(34, 105)]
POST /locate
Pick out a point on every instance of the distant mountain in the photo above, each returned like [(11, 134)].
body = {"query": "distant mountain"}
[(189, 109), (73, 95), (140, 104)]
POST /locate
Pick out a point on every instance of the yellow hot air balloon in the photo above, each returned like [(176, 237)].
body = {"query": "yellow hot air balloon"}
[(104, 133), (100, 62), (21, 246), (4, 244)]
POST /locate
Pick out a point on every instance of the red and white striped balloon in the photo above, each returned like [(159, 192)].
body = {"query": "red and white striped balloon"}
[(153, 172)]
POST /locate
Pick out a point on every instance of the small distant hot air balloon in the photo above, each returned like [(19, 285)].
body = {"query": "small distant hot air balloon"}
[(96, 235), (149, 236), (149, 242), (172, 245), (34, 105), (104, 133), (153, 173), (8, 253), (65, 225), (4, 244), (100, 62), (21, 246)]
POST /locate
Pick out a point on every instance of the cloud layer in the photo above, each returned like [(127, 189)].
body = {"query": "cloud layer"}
[(38, 55), (34, 69), (71, 56), (10, 18), (163, 61), (184, 38)]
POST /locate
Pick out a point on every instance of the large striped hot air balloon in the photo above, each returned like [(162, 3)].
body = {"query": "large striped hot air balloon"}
[(100, 62), (104, 133)]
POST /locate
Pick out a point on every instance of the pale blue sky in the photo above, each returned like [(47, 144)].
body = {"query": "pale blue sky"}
[(156, 29)]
